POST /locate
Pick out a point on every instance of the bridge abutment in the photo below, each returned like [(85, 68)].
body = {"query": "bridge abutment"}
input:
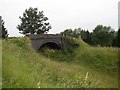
[(51, 40)]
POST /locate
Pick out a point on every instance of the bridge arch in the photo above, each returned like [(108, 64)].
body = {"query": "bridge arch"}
[(50, 44), (54, 41)]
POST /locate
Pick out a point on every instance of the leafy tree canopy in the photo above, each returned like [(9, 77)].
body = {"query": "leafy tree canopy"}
[(103, 35), (3, 31), (71, 33), (118, 37), (33, 22)]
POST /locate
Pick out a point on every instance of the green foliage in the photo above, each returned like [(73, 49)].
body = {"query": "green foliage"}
[(71, 33), (67, 32), (86, 36), (58, 55), (115, 40), (0, 64), (95, 57), (66, 54), (33, 22), (3, 31), (22, 69), (19, 42), (88, 67), (103, 35), (71, 40), (118, 38)]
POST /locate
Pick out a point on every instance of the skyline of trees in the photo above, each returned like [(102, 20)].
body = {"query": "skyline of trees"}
[(35, 22), (100, 36)]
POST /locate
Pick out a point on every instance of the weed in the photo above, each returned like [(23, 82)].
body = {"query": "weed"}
[(84, 67)]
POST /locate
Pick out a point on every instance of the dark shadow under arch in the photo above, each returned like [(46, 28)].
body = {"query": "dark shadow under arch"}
[(51, 45)]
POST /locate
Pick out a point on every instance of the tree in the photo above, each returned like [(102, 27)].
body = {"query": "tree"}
[(33, 22), (115, 40), (118, 37), (71, 33), (67, 32), (103, 35), (86, 36), (3, 31), (76, 32)]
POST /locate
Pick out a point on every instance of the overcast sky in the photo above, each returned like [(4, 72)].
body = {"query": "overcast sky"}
[(62, 14)]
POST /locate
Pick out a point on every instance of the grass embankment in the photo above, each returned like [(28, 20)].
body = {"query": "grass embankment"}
[(85, 67), (0, 64)]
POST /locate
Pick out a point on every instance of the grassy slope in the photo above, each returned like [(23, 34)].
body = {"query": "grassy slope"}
[(0, 64), (88, 67)]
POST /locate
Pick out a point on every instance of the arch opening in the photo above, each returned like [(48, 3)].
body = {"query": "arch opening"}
[(51, 45)]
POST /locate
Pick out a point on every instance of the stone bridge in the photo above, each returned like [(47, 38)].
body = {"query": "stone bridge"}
[(54, 41)]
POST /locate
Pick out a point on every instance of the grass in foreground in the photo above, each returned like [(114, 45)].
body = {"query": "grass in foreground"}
[(24, 68), (0, 64)]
